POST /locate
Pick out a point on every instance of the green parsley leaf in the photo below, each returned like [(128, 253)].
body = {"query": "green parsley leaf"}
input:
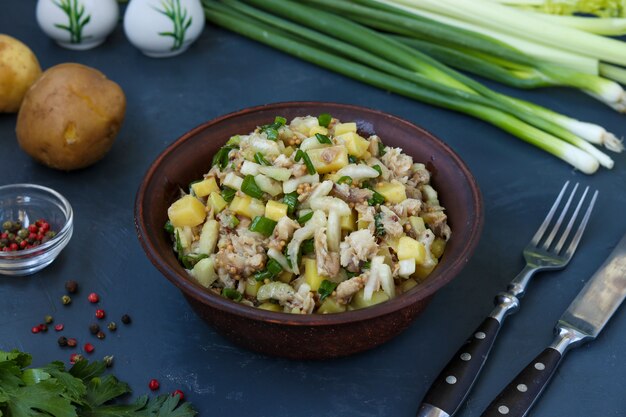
[(326, 288)]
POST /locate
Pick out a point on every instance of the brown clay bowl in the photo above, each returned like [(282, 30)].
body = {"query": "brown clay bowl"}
[(307, 336)]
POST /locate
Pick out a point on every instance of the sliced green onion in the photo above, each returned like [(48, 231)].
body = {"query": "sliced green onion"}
[(352, 159), (378, 168), (232, 293), (250, 187), (263, 225), (262, 275), (234, 140), (228, 194), (378, 223), (376, 199), (221, 157), (280, 121), (260, 159), (234, 221), (291, 200), (301, 155), (346, 179), (326, 288), (323, 139), (169, 227), (307, 247), (189, 261), (274, 267), (381, 149), (324, 119), (179, 246), (366, 265), (305, 218)]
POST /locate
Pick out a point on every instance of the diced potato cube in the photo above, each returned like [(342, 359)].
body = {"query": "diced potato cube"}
[(247, 206), (186, 211), (289, 150), (394, 192), (271, 307), (285, 277), (318, 129), (275, 210), (330, 306), (329, 159), (341, 128), (348, 223), (216, 202), (437, 247), (252, 287), (205, 187), (407, 285), (359, 301), (409, 248), (417, 223), (204, 272), (208, 237), (357, 145), (422, 271), (311, 276)]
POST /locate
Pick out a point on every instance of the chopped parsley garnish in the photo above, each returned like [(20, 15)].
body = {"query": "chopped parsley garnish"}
[(326, 288), (324, 119)]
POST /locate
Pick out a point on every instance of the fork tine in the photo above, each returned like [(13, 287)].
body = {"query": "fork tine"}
[(559, 245), (558, 223), (572, 246), (546, 222)]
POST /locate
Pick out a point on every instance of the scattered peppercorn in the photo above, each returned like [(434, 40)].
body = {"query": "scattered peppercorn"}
[(16, 237), (112, 326), (100, 314), (180, 394), (126, 319), (94, 328), (108, 361), (88, 347), (35, 330), (75, 357), (71, 342), (62, 341), (93, 298), (66, 300), (43, 327), (59, 327), (71, 286), (154, 385), (48, 319), (100, 335)]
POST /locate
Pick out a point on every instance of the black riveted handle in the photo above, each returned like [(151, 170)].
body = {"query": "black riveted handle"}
[(519, 396), (455, 381)]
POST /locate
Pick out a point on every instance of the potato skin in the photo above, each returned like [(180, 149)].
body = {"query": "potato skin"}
[(70, 117), (19, 69)]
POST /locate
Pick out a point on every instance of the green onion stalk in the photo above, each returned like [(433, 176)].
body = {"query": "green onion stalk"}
[(423, 70), (233, 19), (600, 8)]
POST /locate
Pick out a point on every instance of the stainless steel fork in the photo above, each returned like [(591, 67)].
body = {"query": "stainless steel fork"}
[(451, 387)]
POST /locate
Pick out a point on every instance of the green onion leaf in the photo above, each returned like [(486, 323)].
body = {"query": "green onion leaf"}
[(232, 294), (352, 159), (307, 247), (262, 275), (305, 218), (381, 149), (189, 261), (300, 154), (376, 199), (179, 246), (323, 139), (346, 179), (169, 227), (234, 221), (260, 159), (250, 187), (380, 228), (228, 194), (263, 225), (221, 157), (324, 119), (280, 121), (234, 140), (274, 267), (366, 265), (326, 288), (291, 200), (378, 168)]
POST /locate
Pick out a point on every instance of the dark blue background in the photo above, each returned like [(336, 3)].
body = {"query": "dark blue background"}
[(221, 73)]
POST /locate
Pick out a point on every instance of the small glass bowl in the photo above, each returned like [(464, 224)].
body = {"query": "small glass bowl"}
[(28, 203)]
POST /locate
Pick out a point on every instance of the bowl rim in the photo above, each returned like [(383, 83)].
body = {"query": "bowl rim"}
[(41, 249), (205, 296)]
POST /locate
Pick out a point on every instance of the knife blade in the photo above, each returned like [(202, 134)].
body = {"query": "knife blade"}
[(583, 320)]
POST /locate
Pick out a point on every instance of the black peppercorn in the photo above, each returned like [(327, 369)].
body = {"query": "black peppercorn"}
[(71, 342), (112, 326), (126, 319), (100, 335), (94, 328), (71, 286), (62, 341)]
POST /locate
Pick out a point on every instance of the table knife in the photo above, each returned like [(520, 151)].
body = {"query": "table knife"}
[(583, 320)]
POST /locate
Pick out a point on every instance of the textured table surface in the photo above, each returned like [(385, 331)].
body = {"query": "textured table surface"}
[(221, 73)]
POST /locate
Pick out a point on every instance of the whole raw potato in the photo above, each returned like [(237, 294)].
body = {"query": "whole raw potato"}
[(19, 69), (70, 117)]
